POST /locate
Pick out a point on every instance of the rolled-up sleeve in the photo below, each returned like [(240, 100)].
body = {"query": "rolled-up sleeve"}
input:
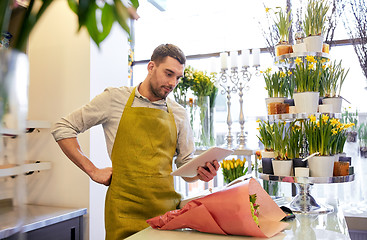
[(185, 148), (94, 113)]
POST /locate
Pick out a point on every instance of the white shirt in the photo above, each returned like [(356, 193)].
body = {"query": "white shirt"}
[(107, 109)]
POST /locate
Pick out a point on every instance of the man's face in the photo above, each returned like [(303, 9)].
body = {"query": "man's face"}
[(164, 77)]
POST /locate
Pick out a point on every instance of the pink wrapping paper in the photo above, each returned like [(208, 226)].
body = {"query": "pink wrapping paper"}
[(227, 212)]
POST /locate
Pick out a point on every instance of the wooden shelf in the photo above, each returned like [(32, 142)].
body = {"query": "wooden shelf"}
[(13, 170)]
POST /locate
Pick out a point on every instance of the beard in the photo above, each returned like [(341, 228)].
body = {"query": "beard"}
[(160, 91)]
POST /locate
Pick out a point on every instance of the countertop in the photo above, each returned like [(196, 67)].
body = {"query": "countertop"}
[(34, 217)]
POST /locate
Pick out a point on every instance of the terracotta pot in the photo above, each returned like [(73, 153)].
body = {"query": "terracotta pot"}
[(325, 48), (282, 49)]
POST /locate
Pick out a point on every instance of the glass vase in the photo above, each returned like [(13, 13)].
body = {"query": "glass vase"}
[(201, 124), (212, 129)]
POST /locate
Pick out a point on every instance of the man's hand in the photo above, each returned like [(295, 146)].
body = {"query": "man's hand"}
[(102, 176), (208, 172)]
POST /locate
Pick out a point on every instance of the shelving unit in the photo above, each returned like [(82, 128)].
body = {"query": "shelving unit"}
[(294, 116), (304, 202), (287, 60)]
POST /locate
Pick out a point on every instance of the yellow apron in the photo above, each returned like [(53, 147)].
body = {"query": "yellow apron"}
[(141, 185)]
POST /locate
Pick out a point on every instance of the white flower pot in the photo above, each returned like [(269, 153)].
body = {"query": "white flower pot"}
[(326, 108), (314, 43), (282, 167), (321, 166), (266, 154), (335, 102), (299, 47), (306, 102)]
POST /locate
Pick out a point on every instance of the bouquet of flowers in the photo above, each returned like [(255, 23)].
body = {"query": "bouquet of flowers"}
[(233, 169), (241, 209)]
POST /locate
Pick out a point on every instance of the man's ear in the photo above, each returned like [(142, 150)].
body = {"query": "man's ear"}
[(150, 66)]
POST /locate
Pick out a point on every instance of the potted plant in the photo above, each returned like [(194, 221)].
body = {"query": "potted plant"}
[(319, 135), (350, 118), (266, 138), (306, 75), (283, 24), (295, 144), (314, 24), (362, 136), (277, 85), (331, 83), (281, 164)]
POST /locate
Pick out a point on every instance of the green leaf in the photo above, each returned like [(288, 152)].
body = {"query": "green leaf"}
[(91, 23), (107, 20), (135, 3), (73, 6), (85, 9)]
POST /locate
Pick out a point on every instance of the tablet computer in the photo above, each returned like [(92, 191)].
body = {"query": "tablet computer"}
[(189, 169)]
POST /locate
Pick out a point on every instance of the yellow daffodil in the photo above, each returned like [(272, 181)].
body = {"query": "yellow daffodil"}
[(258, 120), (290, 72), (311, 66), (325, 118), (323, 67), (334, 121), (267, 10), (310, 59), (334, 131), (323, 60), (298, 60), (312, 118)]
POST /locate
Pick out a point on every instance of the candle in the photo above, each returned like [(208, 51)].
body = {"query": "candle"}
[(256, 57), (213, 65), (223, 60), (245, 58), (234, 56)]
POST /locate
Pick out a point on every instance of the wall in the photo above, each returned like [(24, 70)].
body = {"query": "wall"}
[(66, 71)]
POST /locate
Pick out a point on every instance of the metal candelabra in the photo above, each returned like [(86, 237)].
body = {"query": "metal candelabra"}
[(236, 84)]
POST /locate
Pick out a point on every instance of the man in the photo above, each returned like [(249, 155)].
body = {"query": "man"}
[(144, 130)]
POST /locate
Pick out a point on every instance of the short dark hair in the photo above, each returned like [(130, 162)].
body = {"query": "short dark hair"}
[(168, 50)]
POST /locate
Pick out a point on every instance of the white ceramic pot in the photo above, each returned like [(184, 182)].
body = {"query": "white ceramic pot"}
[(326, 108), (302, 172), (266, 154), (321, 166), (314, 43), (306, 102), (299, 47), (335, 102), (282, 167)]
